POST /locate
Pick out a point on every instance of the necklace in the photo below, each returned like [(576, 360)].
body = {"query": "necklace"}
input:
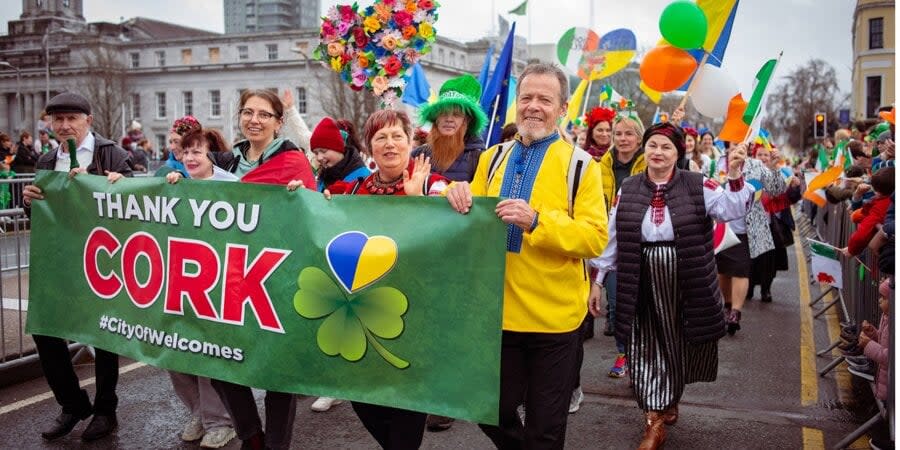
[(377, 187)]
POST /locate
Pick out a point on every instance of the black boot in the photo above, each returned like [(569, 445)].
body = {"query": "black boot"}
[(63, 425)]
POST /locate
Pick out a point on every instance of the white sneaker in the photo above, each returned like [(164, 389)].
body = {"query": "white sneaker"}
[(193, 430), (575, 402), (323, 404), (217, 438)]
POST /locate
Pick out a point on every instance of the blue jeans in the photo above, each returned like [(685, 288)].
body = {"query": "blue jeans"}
[(610, 285)]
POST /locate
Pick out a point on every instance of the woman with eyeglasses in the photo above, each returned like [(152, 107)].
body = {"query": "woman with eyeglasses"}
[(264, 156)]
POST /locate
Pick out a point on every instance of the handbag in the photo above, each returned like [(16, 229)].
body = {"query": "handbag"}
[(782, 235)]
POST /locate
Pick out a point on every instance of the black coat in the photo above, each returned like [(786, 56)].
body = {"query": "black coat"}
[(108, 156), (25, 159)]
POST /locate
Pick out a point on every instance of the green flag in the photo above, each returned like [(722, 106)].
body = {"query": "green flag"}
[(520, 10), (394, 301), (760, 85), (826, 264)]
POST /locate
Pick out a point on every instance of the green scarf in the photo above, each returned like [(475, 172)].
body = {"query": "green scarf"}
[(245, 166)]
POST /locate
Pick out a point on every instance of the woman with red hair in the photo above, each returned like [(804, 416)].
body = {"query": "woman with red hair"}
[(599, 131)]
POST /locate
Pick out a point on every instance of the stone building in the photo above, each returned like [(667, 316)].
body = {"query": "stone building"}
[(874, 67)]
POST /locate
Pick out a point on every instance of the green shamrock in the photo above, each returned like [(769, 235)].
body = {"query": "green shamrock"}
[(351, 322)]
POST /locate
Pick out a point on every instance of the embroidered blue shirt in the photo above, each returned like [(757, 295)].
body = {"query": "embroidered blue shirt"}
[(518, 180)]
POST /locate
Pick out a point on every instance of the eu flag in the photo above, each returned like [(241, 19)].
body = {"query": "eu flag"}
[(495, 97)]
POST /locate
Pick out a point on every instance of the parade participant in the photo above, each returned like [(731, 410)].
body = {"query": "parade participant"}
[(755, 237), (262, 158), (546, 284), (781, 223), (71, 119), (5, 146), (669, 306), (700, 162), (599, 131), (44, 143), (209, 419), (388, 135), (338, 158), (625, 159), (708, 148), (295, 128), (454, 142), (179, 128), (25, 157)]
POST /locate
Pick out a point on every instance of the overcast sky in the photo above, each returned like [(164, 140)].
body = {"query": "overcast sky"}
[(804, 29)]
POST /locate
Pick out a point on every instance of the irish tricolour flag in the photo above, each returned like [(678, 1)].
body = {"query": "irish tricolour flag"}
[(826, 265)]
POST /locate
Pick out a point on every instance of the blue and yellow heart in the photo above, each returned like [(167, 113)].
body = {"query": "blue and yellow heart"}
[(358, 261)]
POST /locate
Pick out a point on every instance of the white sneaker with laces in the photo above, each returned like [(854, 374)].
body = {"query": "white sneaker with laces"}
[(218, 437), (323, 404), (193, 430), (575, 402)]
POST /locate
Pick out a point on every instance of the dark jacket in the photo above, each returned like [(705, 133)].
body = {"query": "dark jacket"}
[(463, 169), (701, 311), (108, 156), (25, 159)]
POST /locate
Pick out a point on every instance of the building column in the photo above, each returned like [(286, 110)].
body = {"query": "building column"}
[(28, 121), (5, 116)]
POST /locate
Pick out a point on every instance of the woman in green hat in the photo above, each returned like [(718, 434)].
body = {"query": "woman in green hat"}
[(454, 143)]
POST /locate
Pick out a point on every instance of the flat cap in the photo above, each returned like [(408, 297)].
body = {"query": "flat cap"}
[(68, 102)]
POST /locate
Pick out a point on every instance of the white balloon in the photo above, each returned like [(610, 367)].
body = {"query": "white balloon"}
[(713, 92)]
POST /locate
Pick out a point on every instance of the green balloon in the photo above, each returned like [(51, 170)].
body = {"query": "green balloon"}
[(683, 24)]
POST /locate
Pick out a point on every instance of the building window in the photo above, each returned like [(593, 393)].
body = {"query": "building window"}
[(187, 98), (876, 32), (453, 59), (215, 104), (243, 53), (300, 101), (135, 106), (441, 56), (66, 3), (162, 141), (135, 60), (186, 56), (873, 96), (272, 51), (161, 58), (214, 55), (40, 3), (160, 105)]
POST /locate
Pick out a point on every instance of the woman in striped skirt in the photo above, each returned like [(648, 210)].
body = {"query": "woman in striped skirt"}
[(669, 307)]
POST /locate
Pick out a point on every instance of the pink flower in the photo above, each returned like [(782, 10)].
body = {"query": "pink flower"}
[(359, 78), (426, 4), (344, 27), (347, 13), (403, 19)]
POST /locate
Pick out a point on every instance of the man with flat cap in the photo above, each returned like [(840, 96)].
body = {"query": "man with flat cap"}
[(71, 119)]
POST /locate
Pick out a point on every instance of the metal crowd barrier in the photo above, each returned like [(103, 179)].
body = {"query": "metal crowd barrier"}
[(858, 299)]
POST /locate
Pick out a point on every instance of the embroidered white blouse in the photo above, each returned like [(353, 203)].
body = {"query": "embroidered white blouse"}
[(722, 205)]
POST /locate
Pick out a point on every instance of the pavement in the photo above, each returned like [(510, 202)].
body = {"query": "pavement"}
[(767, 396)]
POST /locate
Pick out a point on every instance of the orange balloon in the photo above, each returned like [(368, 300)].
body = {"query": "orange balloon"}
[(666, 68)]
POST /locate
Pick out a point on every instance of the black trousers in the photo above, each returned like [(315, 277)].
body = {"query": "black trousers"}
[(57, 365), (393, 428), (531, 368), (281, 409)]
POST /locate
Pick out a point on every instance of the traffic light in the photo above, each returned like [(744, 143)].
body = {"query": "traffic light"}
[(663, 117), (820, 126)]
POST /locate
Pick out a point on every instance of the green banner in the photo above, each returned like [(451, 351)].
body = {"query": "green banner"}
[(394, 301)]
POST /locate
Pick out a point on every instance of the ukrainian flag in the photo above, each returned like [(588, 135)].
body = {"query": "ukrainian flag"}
[(720, 19)]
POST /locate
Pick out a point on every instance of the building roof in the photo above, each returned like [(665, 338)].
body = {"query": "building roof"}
[(142, 28)]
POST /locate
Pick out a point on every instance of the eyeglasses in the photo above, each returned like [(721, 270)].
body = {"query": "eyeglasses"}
[(263, 116)]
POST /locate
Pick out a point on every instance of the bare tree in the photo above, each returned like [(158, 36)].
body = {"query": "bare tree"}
[(792, 104), (107, 87), (341, 102)]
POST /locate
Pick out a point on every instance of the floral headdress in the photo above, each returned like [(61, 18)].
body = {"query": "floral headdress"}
[(600, 114), (185, 125)]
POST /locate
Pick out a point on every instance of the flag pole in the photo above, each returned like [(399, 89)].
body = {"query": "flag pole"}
[(697, 76), (587, 95), (493, 119)]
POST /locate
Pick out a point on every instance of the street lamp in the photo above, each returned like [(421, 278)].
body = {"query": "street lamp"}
[(18, 89), (46, 42)]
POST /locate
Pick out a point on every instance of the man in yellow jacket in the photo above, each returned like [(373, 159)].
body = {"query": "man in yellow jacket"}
[(546, 284)]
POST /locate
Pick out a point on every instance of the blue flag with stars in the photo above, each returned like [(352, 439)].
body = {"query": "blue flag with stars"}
[(495, 97)]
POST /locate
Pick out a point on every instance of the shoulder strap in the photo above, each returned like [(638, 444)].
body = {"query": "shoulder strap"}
[(577, 167), (501, 154)]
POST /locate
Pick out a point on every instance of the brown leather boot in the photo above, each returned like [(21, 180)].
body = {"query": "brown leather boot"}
[(670, 416), (655, 433)]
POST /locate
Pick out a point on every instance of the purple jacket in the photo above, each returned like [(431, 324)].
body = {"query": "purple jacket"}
[(877, 350)]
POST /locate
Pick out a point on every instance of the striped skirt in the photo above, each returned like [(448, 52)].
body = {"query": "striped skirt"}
[(662, 360)]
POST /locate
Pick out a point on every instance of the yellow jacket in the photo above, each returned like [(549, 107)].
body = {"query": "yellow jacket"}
[(609, 176), (546, 286)]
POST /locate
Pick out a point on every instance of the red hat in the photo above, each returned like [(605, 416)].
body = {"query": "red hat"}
[(598, 115), (327, 135)]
